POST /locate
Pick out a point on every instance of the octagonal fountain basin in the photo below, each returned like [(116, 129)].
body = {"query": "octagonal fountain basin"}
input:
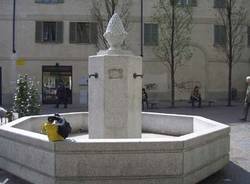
[(174, 149)]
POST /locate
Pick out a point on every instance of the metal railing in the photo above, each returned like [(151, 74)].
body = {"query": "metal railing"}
[(7, 116)]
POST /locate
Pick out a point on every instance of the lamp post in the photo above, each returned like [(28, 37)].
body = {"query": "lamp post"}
[(13, 57), (142, 29), (14, 27)]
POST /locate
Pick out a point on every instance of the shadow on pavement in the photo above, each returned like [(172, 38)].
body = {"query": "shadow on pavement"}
[(231, 174)]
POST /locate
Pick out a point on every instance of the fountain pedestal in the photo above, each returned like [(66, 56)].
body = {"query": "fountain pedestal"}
[(115, 84), (115, 96)]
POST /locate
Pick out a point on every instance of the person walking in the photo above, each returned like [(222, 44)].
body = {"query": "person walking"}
[(144, 98), (246, 100), (61, 96)]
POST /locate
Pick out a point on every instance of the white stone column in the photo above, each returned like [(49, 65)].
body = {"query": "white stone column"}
[(115, 93)]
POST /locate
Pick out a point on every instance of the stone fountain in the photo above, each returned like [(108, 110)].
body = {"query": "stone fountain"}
[(115, 89), (115, 143)]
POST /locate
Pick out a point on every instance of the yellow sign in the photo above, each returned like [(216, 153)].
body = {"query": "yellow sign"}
[(20, 62)]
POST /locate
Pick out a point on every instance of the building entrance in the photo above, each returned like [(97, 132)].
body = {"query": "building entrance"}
[(52, 77)]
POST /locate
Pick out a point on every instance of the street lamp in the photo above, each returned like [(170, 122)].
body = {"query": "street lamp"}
[(14, 27), (142, 29), (13, 56)]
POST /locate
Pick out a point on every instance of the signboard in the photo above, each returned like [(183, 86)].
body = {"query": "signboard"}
[(20, 62), (115, 73)]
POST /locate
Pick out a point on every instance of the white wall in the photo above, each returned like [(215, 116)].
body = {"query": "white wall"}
[(205, 66)]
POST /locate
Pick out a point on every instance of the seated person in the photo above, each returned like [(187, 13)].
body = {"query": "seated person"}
[(64, 127), (51, 129), (195, 96), (144, 98)]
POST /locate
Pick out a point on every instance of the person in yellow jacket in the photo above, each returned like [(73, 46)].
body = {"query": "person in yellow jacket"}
[(51, 129)]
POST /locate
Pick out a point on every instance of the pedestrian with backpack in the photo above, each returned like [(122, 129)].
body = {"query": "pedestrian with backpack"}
[(57, 128), (64, 128)]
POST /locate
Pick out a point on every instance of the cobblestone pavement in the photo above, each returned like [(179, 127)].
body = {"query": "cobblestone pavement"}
[(236, 172)]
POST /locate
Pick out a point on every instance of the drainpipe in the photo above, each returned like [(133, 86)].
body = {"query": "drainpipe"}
[(13, 71), (142, 29), (14, 28)]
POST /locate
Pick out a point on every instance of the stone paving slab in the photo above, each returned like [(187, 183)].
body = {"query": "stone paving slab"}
[(236, 172)]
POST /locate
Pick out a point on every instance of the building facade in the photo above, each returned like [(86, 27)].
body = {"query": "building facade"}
[(54, 38)]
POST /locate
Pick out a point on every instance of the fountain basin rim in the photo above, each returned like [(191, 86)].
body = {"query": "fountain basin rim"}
[(215, 127), (185, 159)]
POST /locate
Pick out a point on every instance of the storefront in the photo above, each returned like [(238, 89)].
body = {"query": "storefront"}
[(52, 76)]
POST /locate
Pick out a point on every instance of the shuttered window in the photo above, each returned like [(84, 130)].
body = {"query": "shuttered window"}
[(151, 34), (49, 32), (193, 3), (220, 37), (220, 3), (83, 32), (49, 1)]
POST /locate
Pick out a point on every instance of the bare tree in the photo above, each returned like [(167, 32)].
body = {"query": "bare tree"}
[(232, 16), (175, 24), (102, 11)]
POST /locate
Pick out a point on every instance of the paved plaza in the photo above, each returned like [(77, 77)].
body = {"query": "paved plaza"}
[(236, 172)]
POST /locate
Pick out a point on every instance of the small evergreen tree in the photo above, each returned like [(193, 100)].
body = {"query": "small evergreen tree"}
[(26, 98)]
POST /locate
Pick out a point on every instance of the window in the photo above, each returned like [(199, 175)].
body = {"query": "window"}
[(220, 37), (151, 34), (248, 36), (83, 32), (49, 32), (185, 2), (193, 3), (220, 3), (49, 1)]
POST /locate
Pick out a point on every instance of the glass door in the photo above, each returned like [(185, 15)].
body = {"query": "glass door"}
[(52, 77)]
